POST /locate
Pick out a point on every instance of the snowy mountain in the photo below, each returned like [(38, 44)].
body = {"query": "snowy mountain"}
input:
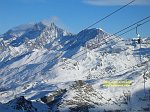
[(45, 68)]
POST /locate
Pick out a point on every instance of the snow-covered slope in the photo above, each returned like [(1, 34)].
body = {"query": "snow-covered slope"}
[(43, 60)]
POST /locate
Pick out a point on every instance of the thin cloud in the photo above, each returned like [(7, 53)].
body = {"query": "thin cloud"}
[(53, 19), (115, 2), (57, 21)]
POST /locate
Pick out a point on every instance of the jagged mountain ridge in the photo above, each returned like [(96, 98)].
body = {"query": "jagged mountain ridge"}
[(37, 32), (54, 59)]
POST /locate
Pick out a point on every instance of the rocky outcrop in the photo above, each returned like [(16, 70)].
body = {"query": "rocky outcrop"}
[(54, 99), (54, 96), (22, 104)]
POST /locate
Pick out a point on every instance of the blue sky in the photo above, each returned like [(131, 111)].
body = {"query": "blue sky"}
[(75, 15)]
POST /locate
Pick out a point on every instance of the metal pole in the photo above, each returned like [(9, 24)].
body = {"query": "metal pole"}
[(139, 42)]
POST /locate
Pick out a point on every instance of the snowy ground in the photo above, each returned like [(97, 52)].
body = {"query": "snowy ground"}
[(82, 71)]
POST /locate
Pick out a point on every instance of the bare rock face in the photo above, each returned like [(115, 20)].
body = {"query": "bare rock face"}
[(21, 103), (54, 96), (47, 99)]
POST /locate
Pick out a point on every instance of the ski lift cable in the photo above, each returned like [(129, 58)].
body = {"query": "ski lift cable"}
[(109, 14), (134, 28), (127, 32), (126, 29)]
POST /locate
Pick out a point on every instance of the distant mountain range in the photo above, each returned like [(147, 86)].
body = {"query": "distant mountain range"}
[(44, 68)]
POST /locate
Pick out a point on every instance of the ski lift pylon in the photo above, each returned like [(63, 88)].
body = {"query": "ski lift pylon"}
[(138, 35)]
